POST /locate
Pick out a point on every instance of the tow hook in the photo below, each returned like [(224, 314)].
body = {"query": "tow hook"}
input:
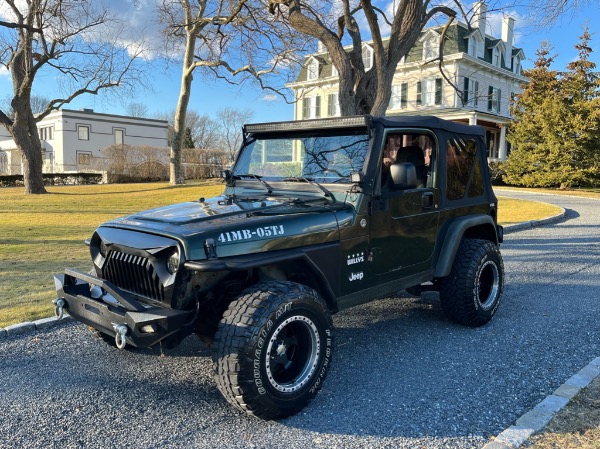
[(59, 308), (121, 332)]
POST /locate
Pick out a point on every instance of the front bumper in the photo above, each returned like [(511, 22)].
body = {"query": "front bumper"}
[(114, 308)]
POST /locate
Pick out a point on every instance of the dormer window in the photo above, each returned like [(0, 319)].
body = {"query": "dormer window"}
[(517, 66), (496, 56), (312, 70), (367, 57), (431, 47), (472, 46)]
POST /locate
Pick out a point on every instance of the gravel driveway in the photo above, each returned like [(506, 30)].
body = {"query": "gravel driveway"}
[(402, 376)]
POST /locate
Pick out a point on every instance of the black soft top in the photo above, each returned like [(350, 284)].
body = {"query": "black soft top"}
[(428, 122)]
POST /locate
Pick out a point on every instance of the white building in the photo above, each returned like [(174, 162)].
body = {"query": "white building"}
[(71, 139), (485, 71)]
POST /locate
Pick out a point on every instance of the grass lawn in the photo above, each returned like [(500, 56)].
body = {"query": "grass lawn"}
[(42, 234)]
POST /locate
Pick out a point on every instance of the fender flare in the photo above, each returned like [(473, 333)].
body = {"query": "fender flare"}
[(313, 256), (453, 237)]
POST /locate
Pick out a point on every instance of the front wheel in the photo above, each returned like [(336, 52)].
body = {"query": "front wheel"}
[(471, 293), (274, 347)]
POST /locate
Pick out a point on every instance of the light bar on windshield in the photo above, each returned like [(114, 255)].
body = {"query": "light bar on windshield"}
[(337, 122)]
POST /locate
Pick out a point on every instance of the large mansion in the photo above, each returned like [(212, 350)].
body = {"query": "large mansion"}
[(485, 71)]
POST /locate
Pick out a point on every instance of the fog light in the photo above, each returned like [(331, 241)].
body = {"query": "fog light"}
[(148, 329), (173, 263)]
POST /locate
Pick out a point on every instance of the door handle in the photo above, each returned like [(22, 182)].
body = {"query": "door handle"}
[(427, 200)]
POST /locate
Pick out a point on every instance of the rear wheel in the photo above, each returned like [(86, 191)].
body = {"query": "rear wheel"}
[(471, 293), (274, 348)]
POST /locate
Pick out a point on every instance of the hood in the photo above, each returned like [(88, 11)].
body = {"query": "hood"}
[(240, 225)]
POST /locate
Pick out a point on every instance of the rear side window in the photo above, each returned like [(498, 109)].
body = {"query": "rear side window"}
[(463, 175)]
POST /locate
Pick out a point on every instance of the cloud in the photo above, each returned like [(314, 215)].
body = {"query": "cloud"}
[(270, 98), (4, 72)]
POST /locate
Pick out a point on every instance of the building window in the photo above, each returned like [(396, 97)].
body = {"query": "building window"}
[(429, 92), (311, 107), (119, 136), (46, 133), (470, 92), (312, 70), (84, 157), (367, 57), (334, 70), (431, 48), (333, 105), (399, 98), (494, 99), (83, 132)]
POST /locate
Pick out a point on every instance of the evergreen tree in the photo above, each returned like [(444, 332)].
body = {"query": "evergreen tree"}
[(527, 160), (580, 88), (556, 127)]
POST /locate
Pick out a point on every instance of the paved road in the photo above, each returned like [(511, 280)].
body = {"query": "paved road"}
[(402, 377)]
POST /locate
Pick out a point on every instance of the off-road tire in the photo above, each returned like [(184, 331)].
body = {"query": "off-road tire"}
[(471, 293), (273, 349)]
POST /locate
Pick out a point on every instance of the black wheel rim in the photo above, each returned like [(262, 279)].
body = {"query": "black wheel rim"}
[(293, 354), (488, 285)]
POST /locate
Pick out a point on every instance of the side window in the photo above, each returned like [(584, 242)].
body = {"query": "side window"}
[(415, 148), (461, 157)]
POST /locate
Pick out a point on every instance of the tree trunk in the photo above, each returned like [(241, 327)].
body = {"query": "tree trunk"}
[(176, 173), (25, 135)]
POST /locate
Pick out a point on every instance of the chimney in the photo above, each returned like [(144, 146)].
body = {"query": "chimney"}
[(508, 27), (479, 16), (320, 47)]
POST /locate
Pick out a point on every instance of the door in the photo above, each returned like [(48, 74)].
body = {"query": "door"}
[(404, 222)]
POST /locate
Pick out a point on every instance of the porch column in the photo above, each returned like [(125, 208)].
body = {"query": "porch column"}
[(473, 119), (502, 146)]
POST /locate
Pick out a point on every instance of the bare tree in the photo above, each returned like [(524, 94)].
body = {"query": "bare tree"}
[(205, 131), (135, 109), (232, 39), (548, 12), (74, 41), (362, 90), (230, 125)]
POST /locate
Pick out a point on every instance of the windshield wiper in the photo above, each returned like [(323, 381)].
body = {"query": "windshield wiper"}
[(258, 178), (313, 183)]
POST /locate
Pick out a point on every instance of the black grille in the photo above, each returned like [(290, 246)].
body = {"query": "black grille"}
[(134, 274)]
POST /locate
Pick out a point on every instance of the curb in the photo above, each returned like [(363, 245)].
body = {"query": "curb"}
[(537, 418), (508, 229), (31, 326)]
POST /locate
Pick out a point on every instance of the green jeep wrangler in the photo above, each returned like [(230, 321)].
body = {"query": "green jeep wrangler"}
[(317, 216)]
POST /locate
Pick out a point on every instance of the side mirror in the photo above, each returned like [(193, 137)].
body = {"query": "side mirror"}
[(404, 175), (226, 175)]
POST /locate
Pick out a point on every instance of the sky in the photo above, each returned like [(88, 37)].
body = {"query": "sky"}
[(209, 96)]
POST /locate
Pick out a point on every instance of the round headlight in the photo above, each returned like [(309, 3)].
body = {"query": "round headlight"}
[(103, 249), (173, 263)]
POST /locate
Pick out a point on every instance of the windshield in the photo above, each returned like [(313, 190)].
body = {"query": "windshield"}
[(324, 158)]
